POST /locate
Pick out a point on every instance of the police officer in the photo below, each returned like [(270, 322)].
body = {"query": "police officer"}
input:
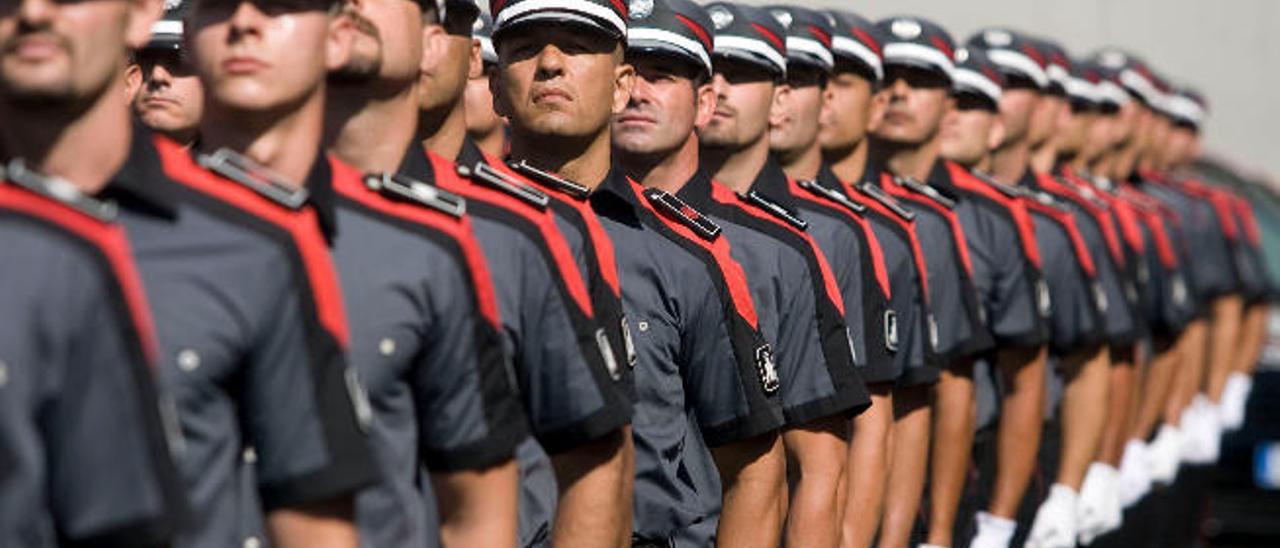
[(575, 391), (419, 362), (484, 126), (84, 454), (170, 99), (560, 81), (790, 275), (252, 325)]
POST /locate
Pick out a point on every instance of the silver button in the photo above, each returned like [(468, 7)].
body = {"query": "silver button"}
[(387, 346), (4, 373), (250, 455), (643, 325), (252, 542), (188, 360)]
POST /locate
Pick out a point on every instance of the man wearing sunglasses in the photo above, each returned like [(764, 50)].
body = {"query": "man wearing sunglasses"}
[(170, 99)]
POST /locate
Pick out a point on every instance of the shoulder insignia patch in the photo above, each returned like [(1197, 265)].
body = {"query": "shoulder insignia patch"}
[(400, 187), (927, 190), (59, 190), (500, 180), (677, 209), (834, 195), (240, 169), (575, 190), (776, 209), (877, 194)]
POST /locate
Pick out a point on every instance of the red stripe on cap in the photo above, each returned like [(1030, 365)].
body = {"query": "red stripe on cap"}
[(622, 8), (962, 178), (347, 182), (770, 36), (110, 240), (724, 195), (917, 254), (941, 44), (873, 243), (953, 220), (734, 277), (822, 35), (697, 30), (303, 226), (1034, 54), (496, 6), (600, 241), (867, 40), (544, 220)]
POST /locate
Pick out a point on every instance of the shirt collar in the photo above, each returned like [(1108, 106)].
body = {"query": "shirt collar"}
[(416, 165), (321, 196), (141, 181), (697, 190), (772, 183), (470, 154)]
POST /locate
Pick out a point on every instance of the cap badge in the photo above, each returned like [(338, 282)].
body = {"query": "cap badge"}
[(720, 17), (997, 38), (783, 17), (640, 9), (962, 55), (906, 29), (170, 5), (477, 25)]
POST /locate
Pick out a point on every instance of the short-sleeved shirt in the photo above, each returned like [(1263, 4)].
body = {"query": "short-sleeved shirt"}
[(1007, 273), (800, 308), (841, 230), (961, 330), (1075, 317), (252, 333), (549, 324), (1165, 290), (425, 339), (1096, 226), (907, 331), (1251, 265), (705, 375), (1134, 273), (1211, 273), (84, 458)]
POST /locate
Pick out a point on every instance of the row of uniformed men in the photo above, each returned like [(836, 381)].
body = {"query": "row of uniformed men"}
[(744, 276)]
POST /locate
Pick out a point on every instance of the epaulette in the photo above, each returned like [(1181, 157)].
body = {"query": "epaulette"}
[(503, 182), (833, 195), (1010, 191), (927, 190), (878, 194), (268, 184), (571, 188), (776, 209), (401, 187), (1044, 198), (59, 190), (675, 208)]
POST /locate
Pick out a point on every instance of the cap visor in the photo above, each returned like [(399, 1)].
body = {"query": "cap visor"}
[(560, 17), (663, 49)]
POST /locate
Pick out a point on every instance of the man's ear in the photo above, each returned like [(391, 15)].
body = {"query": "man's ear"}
[(705, 106), (624, 78), (781, 102), (434, 43), (337, 44), (142, 14), (477, 60), (995, 135), (132, 81)]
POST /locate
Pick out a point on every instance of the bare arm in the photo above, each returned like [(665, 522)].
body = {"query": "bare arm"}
[(595, 492), (1121, 382), (955, 415), (818, 450), (325, 524), (1152, 392), (908, 463), (1021, 424), (1084, 412), (1228, 315), (868, 469), (477, 507), (751, 472)]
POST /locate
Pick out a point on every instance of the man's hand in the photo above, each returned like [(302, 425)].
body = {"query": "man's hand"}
[(1055, 525), (1202, 432), (1135, 477), (1099, 512)]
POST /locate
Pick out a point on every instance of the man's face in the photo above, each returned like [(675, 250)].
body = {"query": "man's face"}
[(744, 98), (171, 99), (1044, 119), (267, 57), (915, 102), (970, 131), (1074, 130), (846, 111), (1016, 105), (52, 51), (794, 124), (1100, 136), (481, 118), (386, 44), (560, 80), (666, 103), (446, 63), (1183, 144)]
